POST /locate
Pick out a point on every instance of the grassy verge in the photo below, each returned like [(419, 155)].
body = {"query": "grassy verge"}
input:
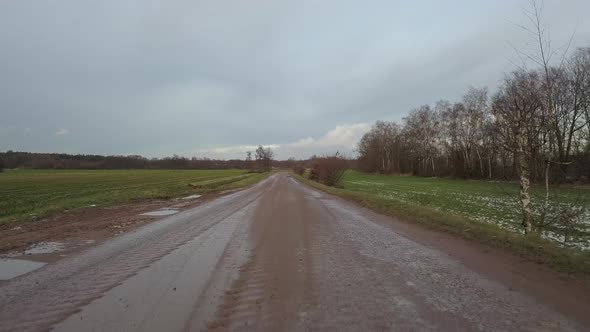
[(533, 247), (242, 181), (26, 194)]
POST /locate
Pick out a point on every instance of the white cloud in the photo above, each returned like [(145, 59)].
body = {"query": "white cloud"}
[(61, 132), (240, 148), (342, 138), (230, 152)]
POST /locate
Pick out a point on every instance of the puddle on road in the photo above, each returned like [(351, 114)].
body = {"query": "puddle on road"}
[(162, 212), (45, 248), (10, 268), (192, 197)]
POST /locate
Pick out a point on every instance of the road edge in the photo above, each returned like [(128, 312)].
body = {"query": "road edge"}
[(531, 248)]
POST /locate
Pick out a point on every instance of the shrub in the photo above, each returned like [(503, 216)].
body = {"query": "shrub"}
[(329, 170), (314, 171), (299, 169)]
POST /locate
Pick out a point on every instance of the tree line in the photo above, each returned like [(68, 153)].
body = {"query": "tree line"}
[(534, 128), (263, 161), (15, 159), (537, 122)]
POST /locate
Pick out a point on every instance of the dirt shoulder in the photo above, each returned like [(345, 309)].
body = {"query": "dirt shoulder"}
[(530, 248), (565, 292), (562, 291), (78, 229)]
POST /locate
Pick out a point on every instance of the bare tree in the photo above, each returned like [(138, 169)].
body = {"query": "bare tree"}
[(423, 132), (476, 108), (381, 145), (249, 159), (559, 95), (260, 156), (268, 157), (517, 108)]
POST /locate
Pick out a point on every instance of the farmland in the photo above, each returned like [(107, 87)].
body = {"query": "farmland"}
[(26, 193), (489, 202)]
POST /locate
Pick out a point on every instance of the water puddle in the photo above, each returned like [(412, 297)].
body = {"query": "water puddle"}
[(192, 197), (45, 248), (10, 268), (162, 212)]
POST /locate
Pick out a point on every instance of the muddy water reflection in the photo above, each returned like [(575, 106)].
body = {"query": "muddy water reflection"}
[(11, 268)]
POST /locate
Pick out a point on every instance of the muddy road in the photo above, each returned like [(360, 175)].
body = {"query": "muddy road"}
[(280, 256)]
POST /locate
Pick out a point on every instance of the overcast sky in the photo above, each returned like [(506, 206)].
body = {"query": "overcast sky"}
[(216, 78)]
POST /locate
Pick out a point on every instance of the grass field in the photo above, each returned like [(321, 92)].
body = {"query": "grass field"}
[(484, 211), (482, 201), (35, 193)]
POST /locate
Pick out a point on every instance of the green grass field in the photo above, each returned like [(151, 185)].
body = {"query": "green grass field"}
[(486, 212), (36, 193), (481, 201)]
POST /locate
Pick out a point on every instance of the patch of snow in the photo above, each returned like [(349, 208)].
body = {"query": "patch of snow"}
[(192, 197), (366, 183), (162, 212), (45, 248)]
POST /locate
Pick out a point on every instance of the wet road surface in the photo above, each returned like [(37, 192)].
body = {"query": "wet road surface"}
[(277, 256)]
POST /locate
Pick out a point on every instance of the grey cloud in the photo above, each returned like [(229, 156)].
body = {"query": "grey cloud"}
[(158, 78)]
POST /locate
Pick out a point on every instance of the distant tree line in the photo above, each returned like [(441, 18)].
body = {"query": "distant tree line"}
[(15, 159), (263, 159), (538, 122)]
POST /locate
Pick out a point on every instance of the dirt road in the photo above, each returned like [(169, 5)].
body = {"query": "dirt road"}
[(281, 256)]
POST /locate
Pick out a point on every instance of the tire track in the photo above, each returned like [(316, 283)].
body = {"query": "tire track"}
[(268, 295)]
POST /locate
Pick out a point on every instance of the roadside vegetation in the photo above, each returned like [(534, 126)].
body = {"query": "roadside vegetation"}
[(489, 202), (328, 170), (27, 194), (473, 209)]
